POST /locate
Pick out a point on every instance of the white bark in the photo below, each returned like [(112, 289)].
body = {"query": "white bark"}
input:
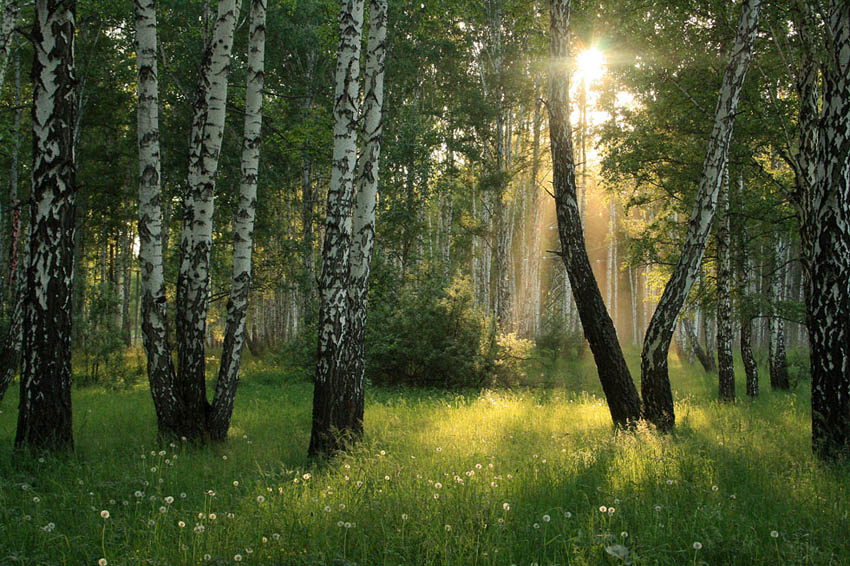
[(196, 237), (9, 15), (655, 383), (44, 417), (243, 227), (333, 283), (367, 190)]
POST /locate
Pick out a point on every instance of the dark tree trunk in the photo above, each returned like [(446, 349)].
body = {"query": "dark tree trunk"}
[(706, 361), (750, 366), (777, 357), (620, 391), (44, 417), (725, 361), (823, 178)]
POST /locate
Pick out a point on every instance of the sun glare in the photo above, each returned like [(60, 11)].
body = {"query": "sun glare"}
[(590, 65)]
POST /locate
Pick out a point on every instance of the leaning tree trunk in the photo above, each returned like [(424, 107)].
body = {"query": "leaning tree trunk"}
[(243, 230), (363, 239), (655, 382), (196, 236), (44, 417), (725, 361), (778, 361), (623, 400), (335, 405)]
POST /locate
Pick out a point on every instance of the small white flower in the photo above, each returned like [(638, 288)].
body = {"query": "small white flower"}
[(567, 514), (438, 485), (212, 517), (169, 500), (163, 509), (624, 534), (340, 523), (714, 488), (536, 525), (506, 506), (546, 518), (260, 499), (774, 534), (697, 545), (448, 528), (181, 524), (235, 483), (603, 509), (348, 525), (104, 514), (102, 562), (36, 499), (404, 516), (237, 558)]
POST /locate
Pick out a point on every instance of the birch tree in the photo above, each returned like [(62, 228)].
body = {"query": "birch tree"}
[(44, 413), (823, 180), (365, 202), (334, 396), (655, 382), (623, 399), (243, 232), (180, 396), (154, 318), (725, 361), (196, 236)]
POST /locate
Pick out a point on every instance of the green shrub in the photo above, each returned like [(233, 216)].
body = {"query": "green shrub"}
[(430, 337)]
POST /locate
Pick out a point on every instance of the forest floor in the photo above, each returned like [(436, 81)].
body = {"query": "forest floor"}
[(531, 476)]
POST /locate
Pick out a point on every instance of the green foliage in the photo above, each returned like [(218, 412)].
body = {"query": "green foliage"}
[(431, 337), (101, 349)]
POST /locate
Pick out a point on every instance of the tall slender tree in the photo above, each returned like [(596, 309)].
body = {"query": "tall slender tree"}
[(655, 382), (363, 240), (243, 233), (620, 391), (725, 361), (335, 407), (44, 414)]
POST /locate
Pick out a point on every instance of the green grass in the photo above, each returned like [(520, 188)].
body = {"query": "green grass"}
[(441, 478)]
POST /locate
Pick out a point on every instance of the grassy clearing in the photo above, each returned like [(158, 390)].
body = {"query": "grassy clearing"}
[(523, 477)]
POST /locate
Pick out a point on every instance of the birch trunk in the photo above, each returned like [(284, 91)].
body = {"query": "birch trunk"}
[(623, 400), (778, 362), (333, 407), (655, 382), (44, 415), (725, 361), (243, 229), (750, 365), (196, 236), (363, 239), (825, 231), (154, 320), (11, 11)]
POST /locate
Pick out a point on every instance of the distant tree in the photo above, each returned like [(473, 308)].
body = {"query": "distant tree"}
[(44, 417), (725, 361), (620, 391)]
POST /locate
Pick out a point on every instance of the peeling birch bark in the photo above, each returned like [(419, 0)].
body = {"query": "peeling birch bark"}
[(330, 419), (243, 230), (44, 414)]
